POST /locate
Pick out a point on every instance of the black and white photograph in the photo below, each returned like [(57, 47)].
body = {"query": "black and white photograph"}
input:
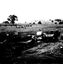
[(31, 32)]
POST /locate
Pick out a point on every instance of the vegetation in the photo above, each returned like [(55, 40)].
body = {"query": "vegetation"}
[(14, 42), (6, 22), (33, 22), (58, 20), (39, 22), (61, 22), (12, 19)]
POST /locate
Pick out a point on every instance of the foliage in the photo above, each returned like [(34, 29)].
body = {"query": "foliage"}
[(12, 18), (39, 22)]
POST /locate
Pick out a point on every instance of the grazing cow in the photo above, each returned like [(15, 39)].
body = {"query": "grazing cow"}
[(51, 36)]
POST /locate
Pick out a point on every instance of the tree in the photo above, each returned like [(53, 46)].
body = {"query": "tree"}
[(58, 20), (51, 20), (6, 22), (39, 22), (55, 22), (12, 18), (33, 22)]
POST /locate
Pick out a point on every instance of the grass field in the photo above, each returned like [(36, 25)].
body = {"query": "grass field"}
[(11, 52), (31, 29)]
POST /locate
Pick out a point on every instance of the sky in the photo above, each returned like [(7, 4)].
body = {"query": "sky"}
[(31, 10)]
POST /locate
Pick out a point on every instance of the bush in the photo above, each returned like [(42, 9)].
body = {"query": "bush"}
[(39, 22)]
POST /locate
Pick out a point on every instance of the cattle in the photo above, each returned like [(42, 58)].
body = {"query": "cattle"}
[(48, 36), (51, 36)]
